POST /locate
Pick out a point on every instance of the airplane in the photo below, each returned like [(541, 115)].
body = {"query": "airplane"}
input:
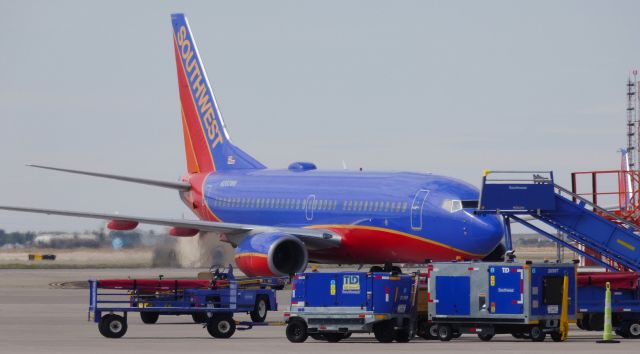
[(279, 220)]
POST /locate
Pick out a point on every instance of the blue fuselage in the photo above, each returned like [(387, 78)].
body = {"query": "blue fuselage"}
[(435, 209)]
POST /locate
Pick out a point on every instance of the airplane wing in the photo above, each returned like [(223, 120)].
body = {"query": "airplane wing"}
[(233, 233)]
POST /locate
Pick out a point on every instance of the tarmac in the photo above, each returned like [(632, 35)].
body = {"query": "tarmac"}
[(45, 311)]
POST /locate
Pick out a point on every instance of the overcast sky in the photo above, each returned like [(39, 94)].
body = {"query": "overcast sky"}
[(451, 87)]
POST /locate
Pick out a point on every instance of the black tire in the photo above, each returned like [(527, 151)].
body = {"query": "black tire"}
[(579, 324), (445, 333), (112, 326), (556, 336), (396, 269), (485, 337), (221, 326), (596, 322), (333, 337), (297, 331), (376, 269), (633, 329), (149, 317), (536, 334), (200, 317), (384, 332), (403, 336), (259, 313), (585, 323)]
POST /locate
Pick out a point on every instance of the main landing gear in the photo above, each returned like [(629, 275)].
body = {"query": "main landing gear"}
[(388, 267)]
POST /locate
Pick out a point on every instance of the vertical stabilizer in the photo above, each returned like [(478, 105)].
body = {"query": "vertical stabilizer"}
[(207, 144)]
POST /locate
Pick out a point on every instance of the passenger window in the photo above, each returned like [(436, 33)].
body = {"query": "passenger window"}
[(393, 206), (297, 203), (386, 206), (404, 207), (349, 204), (324, 204), (344, 205)]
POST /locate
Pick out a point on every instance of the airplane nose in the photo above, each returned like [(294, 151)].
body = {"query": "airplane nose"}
[(487, 232)]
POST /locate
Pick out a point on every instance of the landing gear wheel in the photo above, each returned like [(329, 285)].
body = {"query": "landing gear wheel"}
[(112, 326), (445, 333), (221, 327), (633, 329), (376, 269), (149, 317), (556, 336), (537, 335), (403, 336), (384, 332), (297, 331), (259, 313), (333, 337), (200, 317), (485, 337)]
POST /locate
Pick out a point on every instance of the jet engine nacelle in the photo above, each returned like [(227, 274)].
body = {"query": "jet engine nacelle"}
[(271, 254)]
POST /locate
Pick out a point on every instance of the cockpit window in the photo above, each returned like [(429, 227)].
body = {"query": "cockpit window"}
[(470, 204), (455, 205)]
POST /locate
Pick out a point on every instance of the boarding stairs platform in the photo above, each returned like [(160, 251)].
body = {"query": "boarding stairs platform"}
[(524, 196)]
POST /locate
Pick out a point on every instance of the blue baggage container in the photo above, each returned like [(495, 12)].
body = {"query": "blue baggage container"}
[(489, 298), (331, 306)]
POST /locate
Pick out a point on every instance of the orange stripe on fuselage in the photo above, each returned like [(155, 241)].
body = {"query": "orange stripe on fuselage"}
[(199, 141)]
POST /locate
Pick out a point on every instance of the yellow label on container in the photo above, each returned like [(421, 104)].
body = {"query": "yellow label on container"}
[(492, 280)]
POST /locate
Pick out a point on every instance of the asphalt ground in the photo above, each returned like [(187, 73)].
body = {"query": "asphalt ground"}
[(44, 311)]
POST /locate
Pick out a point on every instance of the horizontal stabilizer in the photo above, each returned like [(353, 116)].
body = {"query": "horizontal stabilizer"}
[(165, 184)]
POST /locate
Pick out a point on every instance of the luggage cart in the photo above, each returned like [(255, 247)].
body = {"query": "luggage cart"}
[(216, 303)]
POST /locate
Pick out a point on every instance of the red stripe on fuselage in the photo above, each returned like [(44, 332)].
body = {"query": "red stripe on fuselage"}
[(196, 132), (374, 245)]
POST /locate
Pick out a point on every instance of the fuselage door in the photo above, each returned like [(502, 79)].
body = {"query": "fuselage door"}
[(416, 209), (310, 206)]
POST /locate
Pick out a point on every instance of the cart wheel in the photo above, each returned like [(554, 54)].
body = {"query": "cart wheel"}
[(596, 322), (585, 322), (580, 325), (376, 269), (556, 336), (333, 337), (112, 326), (432, 333), (403, 336), (633, 329), (485, 337), (149, 317), (297, 331), (384, 332), (221, 327), (259, 313), (200, 317), (536, 333), (445, 333)]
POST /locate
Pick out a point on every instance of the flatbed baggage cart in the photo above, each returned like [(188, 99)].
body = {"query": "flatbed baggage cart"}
[(111, 300)]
